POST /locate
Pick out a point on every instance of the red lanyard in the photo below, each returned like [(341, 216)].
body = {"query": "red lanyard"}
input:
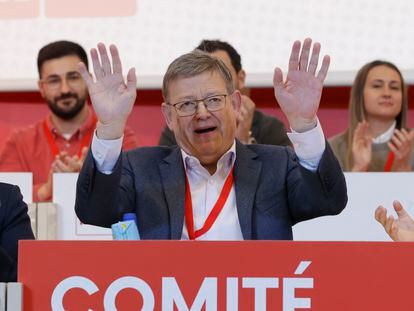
[(390, 161), (189, 220), (55, 150)]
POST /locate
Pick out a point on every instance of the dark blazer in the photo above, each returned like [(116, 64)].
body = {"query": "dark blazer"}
[(266, 130), (273, 192), (14, 226)]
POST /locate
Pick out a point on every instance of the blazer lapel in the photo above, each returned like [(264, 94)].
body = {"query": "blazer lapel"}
[(173, 180), (247, 172)]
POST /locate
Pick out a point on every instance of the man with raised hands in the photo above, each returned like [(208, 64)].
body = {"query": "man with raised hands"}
[(210, 186)]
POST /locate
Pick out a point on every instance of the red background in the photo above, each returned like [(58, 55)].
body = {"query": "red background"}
[(23, 108)]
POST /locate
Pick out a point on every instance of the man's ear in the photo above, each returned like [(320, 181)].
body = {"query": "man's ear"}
[(167, 113), (241, 79), (40, 85), (236, 100)]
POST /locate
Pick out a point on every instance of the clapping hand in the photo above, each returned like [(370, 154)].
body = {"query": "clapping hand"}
[(64, 163), (361, 147), (401, 145)]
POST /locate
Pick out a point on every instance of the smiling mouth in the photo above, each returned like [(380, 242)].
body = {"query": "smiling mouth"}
[(205, 130)]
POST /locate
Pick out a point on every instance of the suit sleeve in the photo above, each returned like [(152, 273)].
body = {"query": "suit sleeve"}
[(15, 226), (102, 199), (314, 194)]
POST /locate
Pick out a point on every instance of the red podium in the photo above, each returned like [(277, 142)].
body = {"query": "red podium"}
[(188, 275)]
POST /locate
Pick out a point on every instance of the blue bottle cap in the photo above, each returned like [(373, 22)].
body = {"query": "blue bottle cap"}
[(129, 216)]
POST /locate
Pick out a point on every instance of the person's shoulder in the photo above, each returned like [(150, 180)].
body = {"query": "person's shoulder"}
[(267, 129), (8, 189), (338, 140), (26, 132), (263, 118)]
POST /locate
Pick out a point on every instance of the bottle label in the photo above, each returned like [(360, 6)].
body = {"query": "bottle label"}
[(125, 230)]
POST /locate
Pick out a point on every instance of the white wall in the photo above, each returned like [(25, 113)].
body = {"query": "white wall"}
[(351, 31)]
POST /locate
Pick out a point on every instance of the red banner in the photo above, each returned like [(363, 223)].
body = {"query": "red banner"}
[(188, 275)]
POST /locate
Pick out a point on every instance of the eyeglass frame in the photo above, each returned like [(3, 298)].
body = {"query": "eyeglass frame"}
[(59, 82), (197, 101)]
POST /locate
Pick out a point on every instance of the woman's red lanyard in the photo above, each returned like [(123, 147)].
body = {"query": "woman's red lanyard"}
[(390, 161), (221, 201), (51, 141)]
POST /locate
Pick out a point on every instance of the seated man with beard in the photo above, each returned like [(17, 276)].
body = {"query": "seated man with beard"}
[(60, 141)]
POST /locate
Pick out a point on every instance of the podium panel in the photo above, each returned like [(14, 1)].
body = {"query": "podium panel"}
[(366, 191), (188, 275), (68, 224)]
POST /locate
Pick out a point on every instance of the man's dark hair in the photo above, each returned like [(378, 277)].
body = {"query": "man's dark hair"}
[(211, 46), (60, 49)]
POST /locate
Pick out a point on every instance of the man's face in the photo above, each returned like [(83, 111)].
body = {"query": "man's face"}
[(204, 135), (62, 86)]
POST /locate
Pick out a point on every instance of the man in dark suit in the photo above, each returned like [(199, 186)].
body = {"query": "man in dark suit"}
[(210, 187), (14, 226)]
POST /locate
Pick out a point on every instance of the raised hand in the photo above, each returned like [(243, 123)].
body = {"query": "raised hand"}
[(361, 147), (402, 145), (400, 229), (299, 96), (111, 97), (245, 119)]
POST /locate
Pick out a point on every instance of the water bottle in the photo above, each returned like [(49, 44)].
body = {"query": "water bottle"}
[(126, 229)]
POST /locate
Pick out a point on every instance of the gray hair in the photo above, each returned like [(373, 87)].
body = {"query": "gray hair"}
[(193, 64)]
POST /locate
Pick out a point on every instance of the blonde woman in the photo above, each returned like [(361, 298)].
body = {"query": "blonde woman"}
[(377, 138)]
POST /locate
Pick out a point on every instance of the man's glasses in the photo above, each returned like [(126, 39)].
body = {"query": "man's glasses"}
[(189, 107), (73, 79)]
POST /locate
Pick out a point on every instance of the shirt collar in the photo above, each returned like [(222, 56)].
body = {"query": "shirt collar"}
[(386, 136), (227, 159)]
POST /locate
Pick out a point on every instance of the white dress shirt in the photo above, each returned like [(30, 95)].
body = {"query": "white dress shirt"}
[(206, 188), (386, 136)]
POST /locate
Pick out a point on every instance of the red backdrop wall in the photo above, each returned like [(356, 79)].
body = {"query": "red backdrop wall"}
[(22, 108)]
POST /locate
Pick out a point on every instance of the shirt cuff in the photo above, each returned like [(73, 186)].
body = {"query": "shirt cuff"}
[(309, 146), (106, 153)]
